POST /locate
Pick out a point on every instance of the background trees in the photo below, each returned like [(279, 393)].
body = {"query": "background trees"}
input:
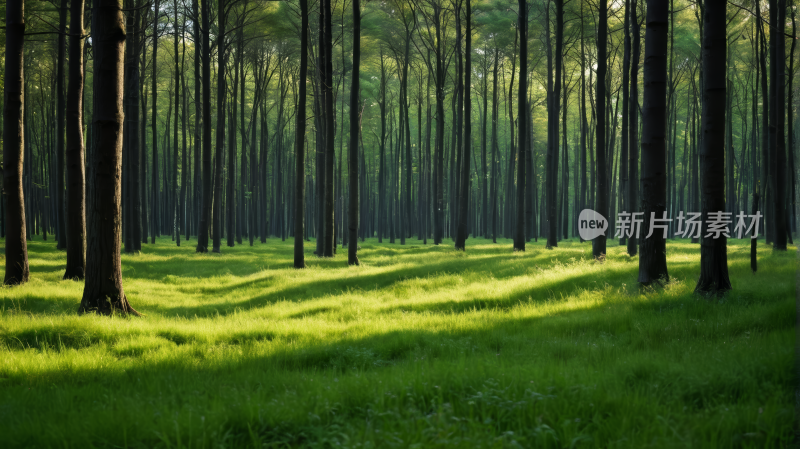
[(557, 81)]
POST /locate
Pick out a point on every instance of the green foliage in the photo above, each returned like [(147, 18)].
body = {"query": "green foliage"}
[(421, 346)]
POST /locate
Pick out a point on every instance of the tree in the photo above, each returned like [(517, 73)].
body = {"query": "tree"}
[(155, 214), (522, 120), (330, 129), (777, 160), (599, 243), (653, 257), (17, 270), (352, 154), (633, 126), (463, 200), (713, 251), (76, 182), (299, 142), (60, 156), (206, 180), (103, 293)]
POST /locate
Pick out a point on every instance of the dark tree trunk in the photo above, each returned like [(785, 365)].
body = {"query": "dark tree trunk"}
[(206, 180), (76, 183), (299, 142), (599, 244), (103, 291), (466, 142), (713, 251), (495, 146), (522, 121), (777, 127), (633, 127), (155, 212), (624, 137), (330, 143), (175, 200), (17, 269), (61, 212), (216, 225), (653, 257), (352, 155)]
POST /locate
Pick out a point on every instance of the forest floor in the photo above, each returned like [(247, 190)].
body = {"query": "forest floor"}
[(421, 346)]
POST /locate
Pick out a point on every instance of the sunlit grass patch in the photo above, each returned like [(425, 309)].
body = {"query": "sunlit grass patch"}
[(420, 345)]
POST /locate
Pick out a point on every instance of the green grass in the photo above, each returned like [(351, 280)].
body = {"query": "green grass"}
[(421, 346)]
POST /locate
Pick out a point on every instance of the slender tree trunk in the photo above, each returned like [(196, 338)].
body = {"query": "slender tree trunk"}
[(653, 258), (522, 123), (76, 183), (17, 269), (216, 226), (300, 133), (155, 215), (599, 243), (713, 251), (103, 291), (352, 156), (777, 127), (463, 199), (633, 126), (206, 180)]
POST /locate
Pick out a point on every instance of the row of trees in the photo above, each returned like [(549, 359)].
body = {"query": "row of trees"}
[(712, 125)]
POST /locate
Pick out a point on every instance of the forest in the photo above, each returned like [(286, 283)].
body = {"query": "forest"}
[(492, 207)]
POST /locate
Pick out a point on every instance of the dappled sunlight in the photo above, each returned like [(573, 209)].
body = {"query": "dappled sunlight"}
[(414, 327)]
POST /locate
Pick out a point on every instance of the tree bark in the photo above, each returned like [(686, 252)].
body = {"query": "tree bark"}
[(522, 123), (103, 292), (713, 251), (352, 156), (299, 142), (17, 269), (599, 243), (466, 142), (76, 182), (653, 257)]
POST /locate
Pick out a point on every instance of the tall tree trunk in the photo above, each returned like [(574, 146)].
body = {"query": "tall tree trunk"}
[(624, 137), (352, 155), (206, 179), (299, 141), (599, 243), (17, 269), (495, 145), (777, 127), (713, 251), (216, 225), (76, 183), (466, 142), (522, 123), (330, 129), (633, 126), (155, 214), (653, 258), (103, 291)]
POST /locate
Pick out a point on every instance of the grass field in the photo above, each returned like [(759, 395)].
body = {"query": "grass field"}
[(421, 346)]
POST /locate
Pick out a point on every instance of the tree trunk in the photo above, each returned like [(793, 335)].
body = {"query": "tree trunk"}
[(103, 291), (76, 183), (466, 142), (17, 269), (633, 127), (352, 155), (713, 251), (599, 243), (522, 123), (653, 258), (300, 132), (155, 212)]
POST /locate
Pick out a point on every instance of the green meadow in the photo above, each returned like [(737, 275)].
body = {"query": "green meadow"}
[(421, 346)]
